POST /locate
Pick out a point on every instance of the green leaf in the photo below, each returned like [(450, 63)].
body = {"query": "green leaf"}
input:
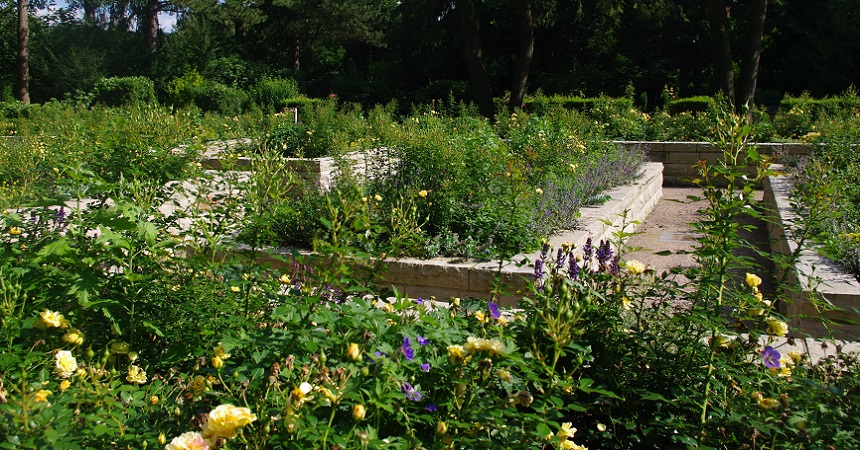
[(152, 328)]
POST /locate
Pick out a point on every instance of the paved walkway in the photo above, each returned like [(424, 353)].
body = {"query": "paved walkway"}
[(668, 228)]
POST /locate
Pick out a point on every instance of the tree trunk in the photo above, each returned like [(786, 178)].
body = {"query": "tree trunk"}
[(119, 15), (525, 54), (470, 29), (89, 12), (724, 75), (150, 24), (23, 52), (746, 83)]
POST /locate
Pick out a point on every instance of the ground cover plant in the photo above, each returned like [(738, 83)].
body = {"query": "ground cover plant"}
[(126, 327)]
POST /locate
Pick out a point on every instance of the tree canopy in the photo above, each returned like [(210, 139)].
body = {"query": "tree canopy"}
[(373, 51)]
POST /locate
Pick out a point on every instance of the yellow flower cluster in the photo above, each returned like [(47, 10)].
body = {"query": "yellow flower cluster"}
[(754, 281), (219, 355), (565, 436), (460, 353), (786, 363), (52, 319), (223, 423)]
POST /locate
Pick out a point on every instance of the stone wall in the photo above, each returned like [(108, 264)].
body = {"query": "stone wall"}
[(680, 158)]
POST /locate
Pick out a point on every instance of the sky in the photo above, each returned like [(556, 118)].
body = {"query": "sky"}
[(166, 21)]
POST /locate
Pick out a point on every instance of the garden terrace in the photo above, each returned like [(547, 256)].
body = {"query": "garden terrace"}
[(817, 284), (456, 277)]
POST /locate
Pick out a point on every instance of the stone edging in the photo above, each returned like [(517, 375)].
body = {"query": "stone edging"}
[(813, 276), (449, 277)]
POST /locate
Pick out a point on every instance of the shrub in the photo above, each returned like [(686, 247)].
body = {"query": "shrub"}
[(216, 97), (274, 93), (691, 104), (182, 90), (119, 91)]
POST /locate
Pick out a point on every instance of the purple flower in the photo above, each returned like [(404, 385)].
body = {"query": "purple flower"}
[(770, 357), (432, 407), (420, 301), (604, 253), (573, 269), (422, 340), (494, 311), (410, 392), (538, 274), (379, 355), (587, 249), (425, 367), (407, 349)]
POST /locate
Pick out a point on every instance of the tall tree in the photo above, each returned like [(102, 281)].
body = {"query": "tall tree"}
[(470, 29), (739, 88), (23, 92)]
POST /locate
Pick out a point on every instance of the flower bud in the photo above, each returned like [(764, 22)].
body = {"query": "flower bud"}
[(441, 429), (358, 412), (353, 352), (162, 439)]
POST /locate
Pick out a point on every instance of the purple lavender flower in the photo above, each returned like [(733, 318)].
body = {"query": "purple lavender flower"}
[(422, 341), (407, 349), (494, 311), (425, 367), (410, 392), (432, 407), (770, 357)]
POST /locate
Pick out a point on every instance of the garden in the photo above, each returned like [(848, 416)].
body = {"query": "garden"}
[(126, 324)]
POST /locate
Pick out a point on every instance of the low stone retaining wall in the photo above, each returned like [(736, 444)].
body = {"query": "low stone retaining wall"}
[(812, 277), (448, 277), (680, 158)]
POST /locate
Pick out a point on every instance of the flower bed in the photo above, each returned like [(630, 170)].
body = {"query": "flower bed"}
[(813, 277), (456, 277)]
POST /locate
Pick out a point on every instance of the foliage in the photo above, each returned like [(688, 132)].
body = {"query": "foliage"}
[(274, 93), (120, 91)]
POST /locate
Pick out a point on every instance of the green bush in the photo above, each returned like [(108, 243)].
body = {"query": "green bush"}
[(274, 93), (691, 104), (220, 98), (182, 91), (119, 91)]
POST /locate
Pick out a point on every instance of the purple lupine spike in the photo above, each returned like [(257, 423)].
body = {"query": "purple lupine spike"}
[(538, 273), (560, 255)]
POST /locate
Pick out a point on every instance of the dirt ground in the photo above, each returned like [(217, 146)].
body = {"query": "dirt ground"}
[(668, 228)]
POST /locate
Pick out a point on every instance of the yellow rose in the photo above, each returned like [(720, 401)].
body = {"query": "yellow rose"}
[(358, 412), (635, 267), (14, 231), (74, 337), (65, 385), (136, 375), (776, 327), (65, 363), (42, 396), (753, 280), (566, 431), (51, 319), (456, 353), (217, 362), (191, 440), (154, 400), (423, 193), (225, 420), (284, 279), (504, 375)]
